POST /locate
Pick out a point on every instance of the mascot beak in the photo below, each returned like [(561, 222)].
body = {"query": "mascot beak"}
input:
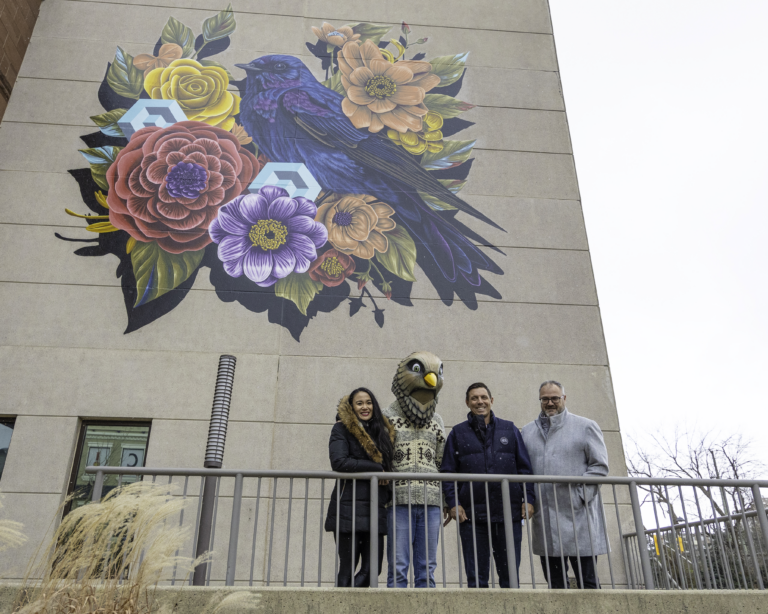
[(249, 68), (431, 379)]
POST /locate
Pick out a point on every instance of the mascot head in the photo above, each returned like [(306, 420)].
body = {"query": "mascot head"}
[(416, 385)]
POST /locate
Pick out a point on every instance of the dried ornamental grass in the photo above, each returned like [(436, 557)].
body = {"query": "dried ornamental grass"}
[(108, 557), (10, 533)]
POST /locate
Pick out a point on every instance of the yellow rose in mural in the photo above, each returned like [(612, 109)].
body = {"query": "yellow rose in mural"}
[(201, 91), (430, 138)]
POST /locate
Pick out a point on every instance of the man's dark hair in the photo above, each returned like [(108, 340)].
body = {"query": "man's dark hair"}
[(551, 382), (477, 385)]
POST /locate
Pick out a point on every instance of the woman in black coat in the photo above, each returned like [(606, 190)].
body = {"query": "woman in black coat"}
[(360, 442)]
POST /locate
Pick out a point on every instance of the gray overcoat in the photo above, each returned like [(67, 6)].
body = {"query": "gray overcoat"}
[(574, 446)]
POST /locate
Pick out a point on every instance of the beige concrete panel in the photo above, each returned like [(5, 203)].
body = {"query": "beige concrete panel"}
[(131, 384), (43, 316), (181, 443), (36, 512), (528, 222), (517, 129), (54, 260), (523, 16), (53, 101), (60, 102), (40, 442), (523, 89), (510, 333), (500, 173), (533, 276), (523, 76), (307, 395), (53, 190), (508, 173), (41, 147), (530, 275), (137, 24)]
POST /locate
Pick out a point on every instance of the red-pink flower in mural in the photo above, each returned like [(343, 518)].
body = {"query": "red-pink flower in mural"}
[(167, 185)]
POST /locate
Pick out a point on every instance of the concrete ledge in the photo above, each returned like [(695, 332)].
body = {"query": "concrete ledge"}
[(213, 600)]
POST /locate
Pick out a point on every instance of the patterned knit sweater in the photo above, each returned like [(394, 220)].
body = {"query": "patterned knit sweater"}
[(417, 451)]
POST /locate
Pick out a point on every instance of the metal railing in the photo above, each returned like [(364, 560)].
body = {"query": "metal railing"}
[(273, 523)]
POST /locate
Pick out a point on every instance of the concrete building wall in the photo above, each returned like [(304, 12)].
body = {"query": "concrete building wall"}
[(65, 355)]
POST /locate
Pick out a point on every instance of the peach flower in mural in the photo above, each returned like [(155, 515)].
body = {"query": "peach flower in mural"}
[(168, 53), (380, 93), (356, 224), (335, 36)]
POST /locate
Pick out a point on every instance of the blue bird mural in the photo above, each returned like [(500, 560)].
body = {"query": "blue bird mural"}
[(292, 117), (179, 180)]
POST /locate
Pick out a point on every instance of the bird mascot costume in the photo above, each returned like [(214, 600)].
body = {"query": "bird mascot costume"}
[(419, 445)]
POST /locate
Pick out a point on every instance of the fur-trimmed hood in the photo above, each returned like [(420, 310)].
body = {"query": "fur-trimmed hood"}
[(350, 420)]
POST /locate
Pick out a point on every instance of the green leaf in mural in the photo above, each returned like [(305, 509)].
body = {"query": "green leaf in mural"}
[(373, 32), (334, 83), (220, 25), (107, 122), (100, 159), (218, 65), (449, 67), (157, 271), (447, 106), (177, 33), (299, 288), (452, 154), (454, 185), (123, 77), (400, 258)]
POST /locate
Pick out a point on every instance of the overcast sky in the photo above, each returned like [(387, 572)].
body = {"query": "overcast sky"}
[(668, 111)]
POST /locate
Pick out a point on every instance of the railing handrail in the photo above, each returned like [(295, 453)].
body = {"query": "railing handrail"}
[(441, 477), (737, 515)]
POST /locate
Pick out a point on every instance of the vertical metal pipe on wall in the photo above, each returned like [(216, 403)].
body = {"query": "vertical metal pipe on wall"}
[(214, 456)]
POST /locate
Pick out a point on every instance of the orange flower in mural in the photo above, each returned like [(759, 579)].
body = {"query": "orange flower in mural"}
[(356, 223), (335, 36), (380, 93), (167, 185), (168, 53)]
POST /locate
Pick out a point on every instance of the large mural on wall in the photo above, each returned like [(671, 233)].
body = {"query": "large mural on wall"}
[(297, 194)]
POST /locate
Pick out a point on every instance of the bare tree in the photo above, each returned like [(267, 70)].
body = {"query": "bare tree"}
[(688, 454), (726, 530)]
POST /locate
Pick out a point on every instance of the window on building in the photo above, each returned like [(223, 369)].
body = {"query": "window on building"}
[(110, 444), (6, 430)]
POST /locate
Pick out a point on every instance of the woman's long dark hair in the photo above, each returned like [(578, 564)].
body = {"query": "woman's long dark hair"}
[(377, 430)]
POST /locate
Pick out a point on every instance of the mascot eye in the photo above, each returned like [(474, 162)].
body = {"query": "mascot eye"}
[(440, 372), (416, 368), (279, 66)]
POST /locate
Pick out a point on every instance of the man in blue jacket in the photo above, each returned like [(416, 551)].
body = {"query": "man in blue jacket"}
[(486, 444)]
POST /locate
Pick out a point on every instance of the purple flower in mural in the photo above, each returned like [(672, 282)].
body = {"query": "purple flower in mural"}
[(267, 235)]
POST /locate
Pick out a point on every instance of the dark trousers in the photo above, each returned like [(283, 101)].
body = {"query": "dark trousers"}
[(556, 569), (362, 550), (498, 543)]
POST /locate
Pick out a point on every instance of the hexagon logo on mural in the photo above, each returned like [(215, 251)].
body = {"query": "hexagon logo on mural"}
[(144, 113), (314, 186), (293, 178)]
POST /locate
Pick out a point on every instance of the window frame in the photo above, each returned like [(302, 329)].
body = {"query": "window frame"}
[(84, 424), (8, 421)]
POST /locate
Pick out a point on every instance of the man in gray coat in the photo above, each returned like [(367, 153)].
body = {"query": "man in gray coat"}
[(570, 528)]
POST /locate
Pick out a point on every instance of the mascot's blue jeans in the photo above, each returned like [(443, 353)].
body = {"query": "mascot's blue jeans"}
[(399, 561)]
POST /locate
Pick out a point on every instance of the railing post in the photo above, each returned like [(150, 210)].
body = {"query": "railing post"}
[(509, 534), (760, 508), (98, 486), (234, 530), (642, 542), (374, 533)]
